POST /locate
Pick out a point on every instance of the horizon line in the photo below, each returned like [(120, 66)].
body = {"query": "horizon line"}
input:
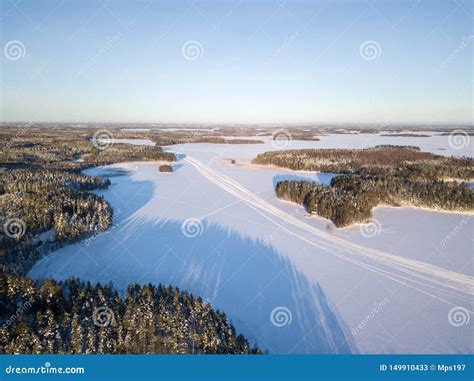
[(240, 124)]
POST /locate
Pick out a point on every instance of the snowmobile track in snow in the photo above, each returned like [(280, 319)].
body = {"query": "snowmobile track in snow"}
[(447, 286)]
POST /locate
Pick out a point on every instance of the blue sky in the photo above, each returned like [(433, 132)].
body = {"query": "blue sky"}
[(256, 61)]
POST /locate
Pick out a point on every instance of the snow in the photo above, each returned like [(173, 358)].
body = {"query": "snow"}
[(135, 129), (291, 283), (139, 142), (190, 129)]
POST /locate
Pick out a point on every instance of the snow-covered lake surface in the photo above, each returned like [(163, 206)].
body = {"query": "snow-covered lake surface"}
[(189, 129), (135, 129), (137, 142), (289, 282)]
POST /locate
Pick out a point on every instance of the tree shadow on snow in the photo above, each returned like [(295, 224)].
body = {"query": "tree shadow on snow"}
[(176, 166), (260, 290)]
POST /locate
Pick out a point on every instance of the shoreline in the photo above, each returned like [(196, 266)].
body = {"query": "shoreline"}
[(249, 164)]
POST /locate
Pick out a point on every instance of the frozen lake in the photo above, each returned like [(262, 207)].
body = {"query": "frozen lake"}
[(289, 282)]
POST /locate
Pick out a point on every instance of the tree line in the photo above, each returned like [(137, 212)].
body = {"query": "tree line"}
[(405, 161), (39, 201), (75, 317), (350, 198)]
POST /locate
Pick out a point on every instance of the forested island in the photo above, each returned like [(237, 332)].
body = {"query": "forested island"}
[(384, 175), (405, 135), (350, 199), (295, 136), (406, 161), (46, 202), (165, 168)]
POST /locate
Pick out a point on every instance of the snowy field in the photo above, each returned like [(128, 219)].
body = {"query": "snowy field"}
[(289, 282)]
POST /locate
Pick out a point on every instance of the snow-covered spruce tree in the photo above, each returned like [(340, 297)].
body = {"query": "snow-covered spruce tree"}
[(147, 319)]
